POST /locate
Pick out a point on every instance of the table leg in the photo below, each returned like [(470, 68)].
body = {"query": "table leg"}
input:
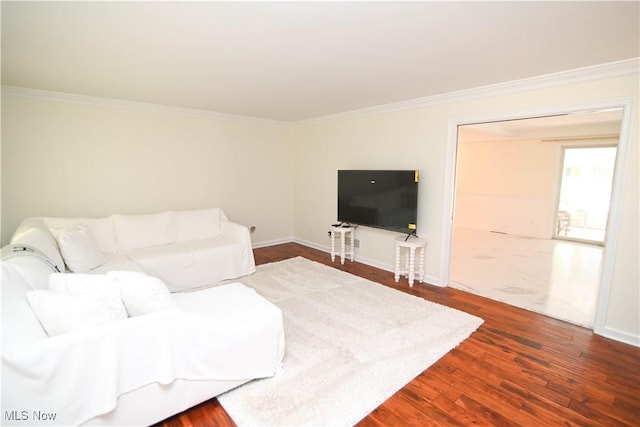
[(421, 269), (406, 263), (412, 262), (352, 247), (333, 246), (342, 242), (397, 269)]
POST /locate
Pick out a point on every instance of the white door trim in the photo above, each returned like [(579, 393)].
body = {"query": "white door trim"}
[(628, 106)]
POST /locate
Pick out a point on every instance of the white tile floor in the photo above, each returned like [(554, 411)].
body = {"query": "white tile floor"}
[(557, 278)]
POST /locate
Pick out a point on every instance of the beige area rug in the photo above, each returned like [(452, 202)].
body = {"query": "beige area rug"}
[(350, 344)]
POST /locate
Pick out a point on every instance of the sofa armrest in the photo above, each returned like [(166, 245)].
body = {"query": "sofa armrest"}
[(241, 234), (33, 233), (235, 231)]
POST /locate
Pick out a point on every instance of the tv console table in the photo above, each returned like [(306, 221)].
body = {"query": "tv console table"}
[(342, 231), (410, 245)]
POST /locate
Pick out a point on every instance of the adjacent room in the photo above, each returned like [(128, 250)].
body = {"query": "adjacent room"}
[(181, 244), (532, 203)]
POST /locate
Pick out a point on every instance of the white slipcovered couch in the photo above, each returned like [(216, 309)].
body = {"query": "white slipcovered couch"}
[(186, 249), (159, 355), (134, 371)]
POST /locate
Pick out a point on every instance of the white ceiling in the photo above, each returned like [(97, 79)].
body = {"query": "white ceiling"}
[(299, 60)]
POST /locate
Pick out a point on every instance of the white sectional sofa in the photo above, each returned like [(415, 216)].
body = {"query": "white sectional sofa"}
[(166, 353), (186, 249)]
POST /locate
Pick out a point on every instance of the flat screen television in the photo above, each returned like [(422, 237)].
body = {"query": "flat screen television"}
[(386, 199)]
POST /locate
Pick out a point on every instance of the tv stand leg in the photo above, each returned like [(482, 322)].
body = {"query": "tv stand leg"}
[(333, 246), (412, 265), (421, 268), (352, 247), (397, 269)]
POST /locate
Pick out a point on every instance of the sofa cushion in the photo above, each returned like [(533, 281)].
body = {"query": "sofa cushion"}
[(102, 229), (79, 248), (104, 233), (76, 284), (143, 231), (118, 261), (61, 313), (196, 263), (142, 294), (197, 224)]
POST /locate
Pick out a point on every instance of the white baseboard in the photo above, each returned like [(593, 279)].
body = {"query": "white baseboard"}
[(327, 249), (372, 263), (618, 335), (267, 243), (313, 245), (432, 280)]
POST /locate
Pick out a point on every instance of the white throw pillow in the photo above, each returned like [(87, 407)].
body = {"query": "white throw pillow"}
[(104, 233), (197, 224), (61, 313), (144, 231), (76, 284), (142, 294), (79, 248)]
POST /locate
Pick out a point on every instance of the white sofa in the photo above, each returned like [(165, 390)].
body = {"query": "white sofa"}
[(135, 371), (186, 249)]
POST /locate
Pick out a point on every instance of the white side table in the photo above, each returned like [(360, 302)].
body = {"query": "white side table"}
[(341, 232), (410, 246)]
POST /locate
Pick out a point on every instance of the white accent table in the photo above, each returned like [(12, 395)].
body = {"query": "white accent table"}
[(410, 246), (341, 232)]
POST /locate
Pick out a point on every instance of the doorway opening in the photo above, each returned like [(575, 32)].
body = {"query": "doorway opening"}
[(506, 239)]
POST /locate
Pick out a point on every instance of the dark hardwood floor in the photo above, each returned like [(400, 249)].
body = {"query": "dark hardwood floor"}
[(519, 368)]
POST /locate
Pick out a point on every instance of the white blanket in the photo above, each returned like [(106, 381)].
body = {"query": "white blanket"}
[(223, 333), (194, 264)]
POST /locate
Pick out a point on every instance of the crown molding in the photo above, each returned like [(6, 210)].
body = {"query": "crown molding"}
[(22, 92), (591, 73), (562, 78)]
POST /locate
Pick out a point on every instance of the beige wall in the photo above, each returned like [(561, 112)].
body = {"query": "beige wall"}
[(66, 159), (82, 159), (507, 186), (418, 139), (390, 141)]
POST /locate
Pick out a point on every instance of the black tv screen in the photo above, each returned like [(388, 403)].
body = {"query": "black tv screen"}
[(385, 199)]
